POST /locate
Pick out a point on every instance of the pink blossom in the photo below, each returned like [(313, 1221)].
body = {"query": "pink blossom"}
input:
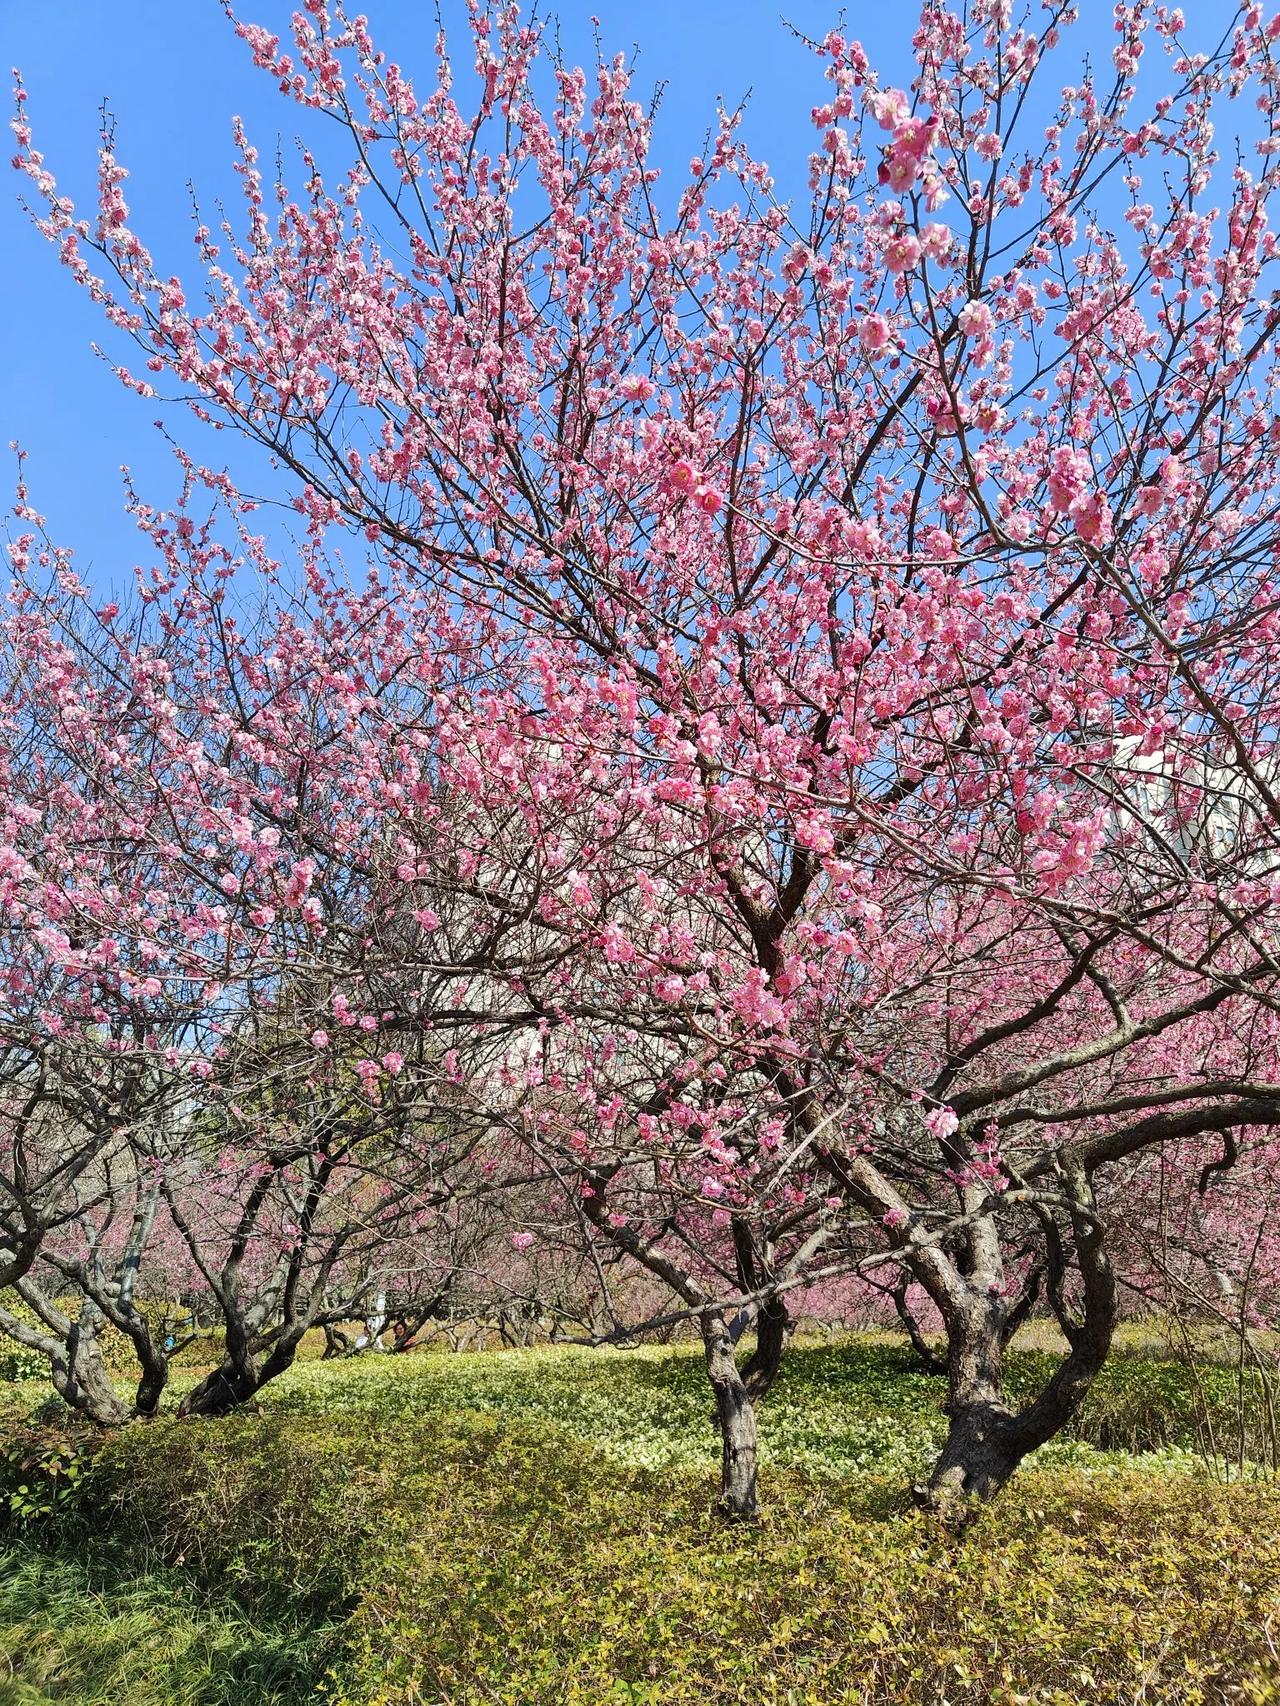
[(942, 1122), (890, 108), (1069, 470), (912, 140), (936, 241), (1091, 516), (975, 320), (902, 253), (873, 333)]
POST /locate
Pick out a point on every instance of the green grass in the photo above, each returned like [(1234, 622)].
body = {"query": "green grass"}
[(858, 1406), (537, 1529), (88, 1629)]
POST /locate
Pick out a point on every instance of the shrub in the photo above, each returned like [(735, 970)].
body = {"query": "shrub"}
[(1066, 1592), (19, 1363), (41, 1475)]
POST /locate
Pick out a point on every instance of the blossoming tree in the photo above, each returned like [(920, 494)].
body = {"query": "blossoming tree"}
[(860, 799)]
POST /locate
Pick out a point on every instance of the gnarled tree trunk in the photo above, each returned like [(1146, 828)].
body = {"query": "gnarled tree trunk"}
[(240, 1374), (76, 1366), (736, 1416), (987, 1438), (80, 1376), (982, 1448)]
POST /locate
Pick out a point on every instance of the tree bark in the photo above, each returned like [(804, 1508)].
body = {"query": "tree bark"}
[(336, 1342), (80, 1376), (70, 1343), (773, 1329), (987, 1439), (735, 1414), (222, 1389), (151, 1385), (982, 1448), (240, 1376)]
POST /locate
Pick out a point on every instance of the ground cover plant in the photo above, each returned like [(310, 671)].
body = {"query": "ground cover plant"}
[(861, 1406), (540, 1527)]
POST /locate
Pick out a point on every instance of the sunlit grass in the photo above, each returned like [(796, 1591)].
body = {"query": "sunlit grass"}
[(537, 1528)]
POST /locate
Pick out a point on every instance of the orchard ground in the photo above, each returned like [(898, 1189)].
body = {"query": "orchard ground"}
[(538, 1526)]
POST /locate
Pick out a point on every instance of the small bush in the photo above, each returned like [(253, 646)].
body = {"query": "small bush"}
[(19, 1363), (41, 1475)]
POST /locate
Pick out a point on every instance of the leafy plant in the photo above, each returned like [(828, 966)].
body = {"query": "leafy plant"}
[(17, 1362), (538, 1529), (41, 1476)]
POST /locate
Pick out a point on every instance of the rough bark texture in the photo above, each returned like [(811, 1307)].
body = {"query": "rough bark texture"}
[(221, 1390), (155, 1377), (735, 1414), (336, 1342), (239, 1376), (982, 1447), (71, 1345), (987, 1438), (773, 1329), (80, 1377)]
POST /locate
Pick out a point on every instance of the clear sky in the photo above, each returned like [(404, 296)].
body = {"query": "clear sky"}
[(174, 73)]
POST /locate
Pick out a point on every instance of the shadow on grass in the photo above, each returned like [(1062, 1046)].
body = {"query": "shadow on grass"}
[(89, 1628)]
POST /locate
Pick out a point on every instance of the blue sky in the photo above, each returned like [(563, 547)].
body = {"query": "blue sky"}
[(175, 73)]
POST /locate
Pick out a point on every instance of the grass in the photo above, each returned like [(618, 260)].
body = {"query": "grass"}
[(88, 1629), (862, 1405), (536, 1529)]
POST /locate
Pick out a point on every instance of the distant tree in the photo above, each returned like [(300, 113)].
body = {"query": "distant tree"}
[(182, 877)]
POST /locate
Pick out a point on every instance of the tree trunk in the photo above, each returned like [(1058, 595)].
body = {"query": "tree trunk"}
[(240, 1376), (155, 1377), (336, 1342), (80, 1378), (221, 1390), (987, 1439), (773, 1329), (735, 1414), (981, 1452), (76, 1366)]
